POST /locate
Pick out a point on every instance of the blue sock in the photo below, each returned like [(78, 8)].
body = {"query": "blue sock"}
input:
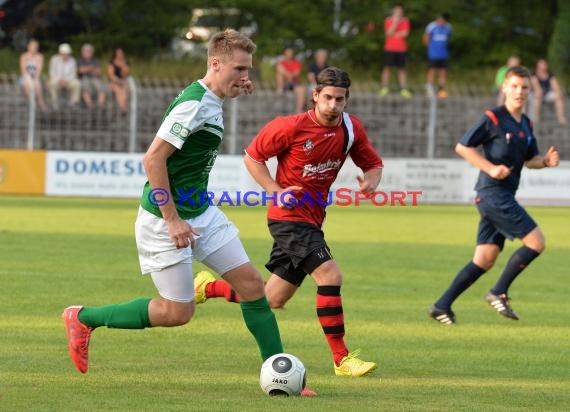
[(517, 263), (465, 278)]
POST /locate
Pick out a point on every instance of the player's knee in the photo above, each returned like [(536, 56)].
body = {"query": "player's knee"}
[(535, 241), (276, 302), (485, 261), (180, 316), (538, 247)]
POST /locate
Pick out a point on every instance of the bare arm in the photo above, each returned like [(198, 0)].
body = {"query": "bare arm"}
[(390, 31), (125, 70), (401, 33), (22, 65), (536, 87), (471, 154), (284, 72), (311, 78), (261, 175), (370, 181), (556, 87), (154, 162), (550, 159), (393, 29), (111, 73), (40, 65)]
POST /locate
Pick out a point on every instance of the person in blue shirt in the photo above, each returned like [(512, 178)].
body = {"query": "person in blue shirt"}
[(508, 143), (436, 38)]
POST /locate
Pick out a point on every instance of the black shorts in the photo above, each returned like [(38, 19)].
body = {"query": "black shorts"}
[(395, 59), (438, 63), (501, 218), (298, 249)]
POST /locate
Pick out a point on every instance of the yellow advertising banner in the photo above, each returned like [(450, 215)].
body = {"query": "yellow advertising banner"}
[(22, 172)]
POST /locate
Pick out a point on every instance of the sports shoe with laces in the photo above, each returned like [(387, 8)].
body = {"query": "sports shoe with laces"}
[(384, 91), (78, 336), (405, 93), (351, 365), (501, 304), (201, 280), (442, 316)]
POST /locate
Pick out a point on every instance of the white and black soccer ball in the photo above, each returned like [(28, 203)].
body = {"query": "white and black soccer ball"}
[(282, 374)]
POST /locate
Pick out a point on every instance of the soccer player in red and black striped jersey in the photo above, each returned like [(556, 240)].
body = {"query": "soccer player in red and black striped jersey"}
[(311, 148)]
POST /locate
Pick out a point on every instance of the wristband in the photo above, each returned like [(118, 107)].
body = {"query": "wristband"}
[(544, 162)]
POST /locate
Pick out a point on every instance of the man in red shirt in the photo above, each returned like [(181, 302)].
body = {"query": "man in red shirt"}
[(311, 148), (397, 29), (288, 77)]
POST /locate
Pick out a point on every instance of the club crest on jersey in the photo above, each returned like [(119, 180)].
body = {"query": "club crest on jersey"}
[(521, 134), (308, 147)]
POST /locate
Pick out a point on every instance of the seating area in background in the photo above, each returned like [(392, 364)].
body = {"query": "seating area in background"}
[(397, 127)]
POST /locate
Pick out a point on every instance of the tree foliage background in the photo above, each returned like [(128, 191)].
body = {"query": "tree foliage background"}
[(486, 32)]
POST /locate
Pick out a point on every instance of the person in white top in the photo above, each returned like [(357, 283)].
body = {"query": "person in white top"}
[(31, 66), (63, 76)]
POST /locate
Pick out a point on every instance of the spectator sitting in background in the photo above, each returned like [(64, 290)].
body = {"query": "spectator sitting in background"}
[(288, 76), (547, 89), (512, 61), (31, 66), (117, 73), (320, 63), (90, 76), (63, 76)]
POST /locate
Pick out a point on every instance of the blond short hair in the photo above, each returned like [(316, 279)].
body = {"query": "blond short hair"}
[(224, 43)]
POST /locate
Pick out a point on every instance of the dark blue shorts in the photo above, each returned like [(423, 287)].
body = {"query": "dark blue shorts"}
[(501, 217), (438, 63)]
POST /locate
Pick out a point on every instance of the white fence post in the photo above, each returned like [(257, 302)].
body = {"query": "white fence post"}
[(133, 115), (32, 117), (232, 134), (432, 121)]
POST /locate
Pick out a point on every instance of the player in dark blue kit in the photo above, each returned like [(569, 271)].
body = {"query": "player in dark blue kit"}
[(508, 143)]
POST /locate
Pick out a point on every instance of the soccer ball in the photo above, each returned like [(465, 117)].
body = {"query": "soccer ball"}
[(282, 374)]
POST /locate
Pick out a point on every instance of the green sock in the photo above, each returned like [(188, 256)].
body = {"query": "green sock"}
[(130, 315), (261, 322)]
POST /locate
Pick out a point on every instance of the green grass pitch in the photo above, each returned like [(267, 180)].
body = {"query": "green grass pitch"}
[(55, 252)]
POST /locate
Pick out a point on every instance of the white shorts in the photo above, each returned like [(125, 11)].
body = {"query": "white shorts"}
[(157, 251), (176, 282)]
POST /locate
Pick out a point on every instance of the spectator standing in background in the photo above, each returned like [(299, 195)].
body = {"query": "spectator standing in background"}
[(397, 29), (31, 66), (117, 72), (90, 76), (63, 76), (436, 38)]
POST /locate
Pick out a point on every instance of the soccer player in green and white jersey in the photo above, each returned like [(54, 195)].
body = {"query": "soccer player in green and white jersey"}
[(173, 226)]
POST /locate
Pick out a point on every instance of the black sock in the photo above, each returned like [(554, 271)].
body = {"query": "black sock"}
[(517, 263), (465, 278)]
